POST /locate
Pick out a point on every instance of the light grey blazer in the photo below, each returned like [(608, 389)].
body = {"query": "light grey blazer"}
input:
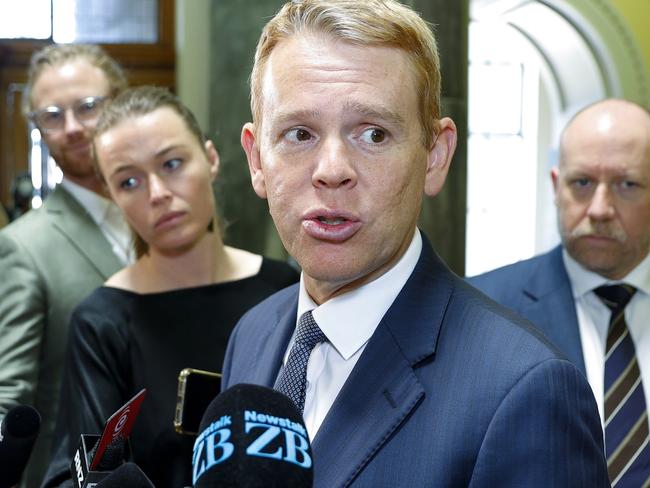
[(50, 259)]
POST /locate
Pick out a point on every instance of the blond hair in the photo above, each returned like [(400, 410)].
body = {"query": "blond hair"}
[(58, 54), (366, 23)]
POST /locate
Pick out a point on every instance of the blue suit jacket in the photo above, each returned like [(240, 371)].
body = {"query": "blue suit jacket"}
[(539, 289), (451, 390)]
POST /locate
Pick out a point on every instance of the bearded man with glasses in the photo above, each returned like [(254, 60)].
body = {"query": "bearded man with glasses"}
[(51, 258)]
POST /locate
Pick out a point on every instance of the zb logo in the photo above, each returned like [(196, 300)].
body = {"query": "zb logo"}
[(78, 468), (267, 436)]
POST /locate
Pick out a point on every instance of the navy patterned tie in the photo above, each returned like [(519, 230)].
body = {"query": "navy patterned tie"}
[(293, 377), (626, 417)]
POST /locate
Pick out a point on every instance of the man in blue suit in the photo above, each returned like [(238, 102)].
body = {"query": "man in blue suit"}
[(602, 193), (406, 375)]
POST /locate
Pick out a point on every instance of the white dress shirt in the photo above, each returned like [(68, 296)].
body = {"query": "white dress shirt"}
[(593, 321), (108, 218), (348, 321)]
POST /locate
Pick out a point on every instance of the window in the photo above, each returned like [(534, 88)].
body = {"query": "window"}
[(82, 21), (501, 151)]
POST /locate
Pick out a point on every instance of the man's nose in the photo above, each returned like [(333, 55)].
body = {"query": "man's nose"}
[(601, 206), (72, 125), (334, 166)]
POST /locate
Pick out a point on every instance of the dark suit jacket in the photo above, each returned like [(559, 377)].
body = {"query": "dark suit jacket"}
[(451, 390), (50, 259), (539, 289)]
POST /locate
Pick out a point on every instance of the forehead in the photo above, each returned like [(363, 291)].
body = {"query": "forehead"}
[(69, 81), (318, 70), (145, 132), (614, 141)]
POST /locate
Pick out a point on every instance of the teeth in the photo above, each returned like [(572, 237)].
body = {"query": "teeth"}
[(334, 221)]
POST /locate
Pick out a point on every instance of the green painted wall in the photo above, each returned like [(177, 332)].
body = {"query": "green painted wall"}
[(636, 14)]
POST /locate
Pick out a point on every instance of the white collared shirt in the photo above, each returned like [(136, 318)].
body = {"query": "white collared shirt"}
[(593, 321), (108, 218), (348, 321)]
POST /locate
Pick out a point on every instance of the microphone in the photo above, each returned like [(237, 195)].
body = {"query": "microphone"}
[(113, 455), (18, 432), (128, 475), (97, 456), (252, 436)]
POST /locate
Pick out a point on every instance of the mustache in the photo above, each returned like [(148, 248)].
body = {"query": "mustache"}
[(587, 228)]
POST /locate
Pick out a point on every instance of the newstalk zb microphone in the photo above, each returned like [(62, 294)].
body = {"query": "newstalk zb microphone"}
[(252, 436)]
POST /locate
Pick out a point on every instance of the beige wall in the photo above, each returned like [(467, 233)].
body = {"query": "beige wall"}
[(193, 56)]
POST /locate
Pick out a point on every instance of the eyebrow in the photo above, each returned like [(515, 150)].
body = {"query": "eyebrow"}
[(374, 112), (285, 117), (369, 111), (121, 168), (158, 154), (168, 149)]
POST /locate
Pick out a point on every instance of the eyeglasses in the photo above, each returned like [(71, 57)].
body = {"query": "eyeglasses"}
[(52, 118)]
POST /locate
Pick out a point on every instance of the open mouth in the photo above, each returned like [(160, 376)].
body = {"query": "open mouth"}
[(331, 226), (332, 221)]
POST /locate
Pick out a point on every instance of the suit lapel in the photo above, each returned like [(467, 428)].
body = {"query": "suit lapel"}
[(549, 300), (268, 359), (383, 389), (69, 218)]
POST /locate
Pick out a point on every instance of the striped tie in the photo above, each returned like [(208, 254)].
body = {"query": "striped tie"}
[(293, 377), (626, 418)]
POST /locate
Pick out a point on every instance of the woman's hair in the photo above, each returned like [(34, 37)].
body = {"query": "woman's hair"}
[(364, 23), (59, 54), (136, 102), (143, 100)]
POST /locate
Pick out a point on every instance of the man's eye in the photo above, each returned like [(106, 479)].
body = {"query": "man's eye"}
[(299, 135), (172, 164), (87, 107), (373, 136), (51, 116), (628, 185), (129, 183), (581, 182)]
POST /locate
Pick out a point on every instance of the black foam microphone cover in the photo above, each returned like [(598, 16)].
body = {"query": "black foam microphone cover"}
[(18, 433), (112, 457), (128, 475), (252, 436)]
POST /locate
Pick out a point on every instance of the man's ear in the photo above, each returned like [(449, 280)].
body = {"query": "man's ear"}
[(439, 156), (555, 179), (251, 148), (213, 159)]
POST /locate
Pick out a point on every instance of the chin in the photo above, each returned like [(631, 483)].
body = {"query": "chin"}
[(602, 265), (338, 273)]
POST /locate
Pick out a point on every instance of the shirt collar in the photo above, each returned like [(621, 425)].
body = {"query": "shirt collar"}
[(96, 205), (364, 307), (583, 281)]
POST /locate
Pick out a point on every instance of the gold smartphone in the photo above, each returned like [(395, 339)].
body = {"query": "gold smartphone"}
[(196, 389)]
